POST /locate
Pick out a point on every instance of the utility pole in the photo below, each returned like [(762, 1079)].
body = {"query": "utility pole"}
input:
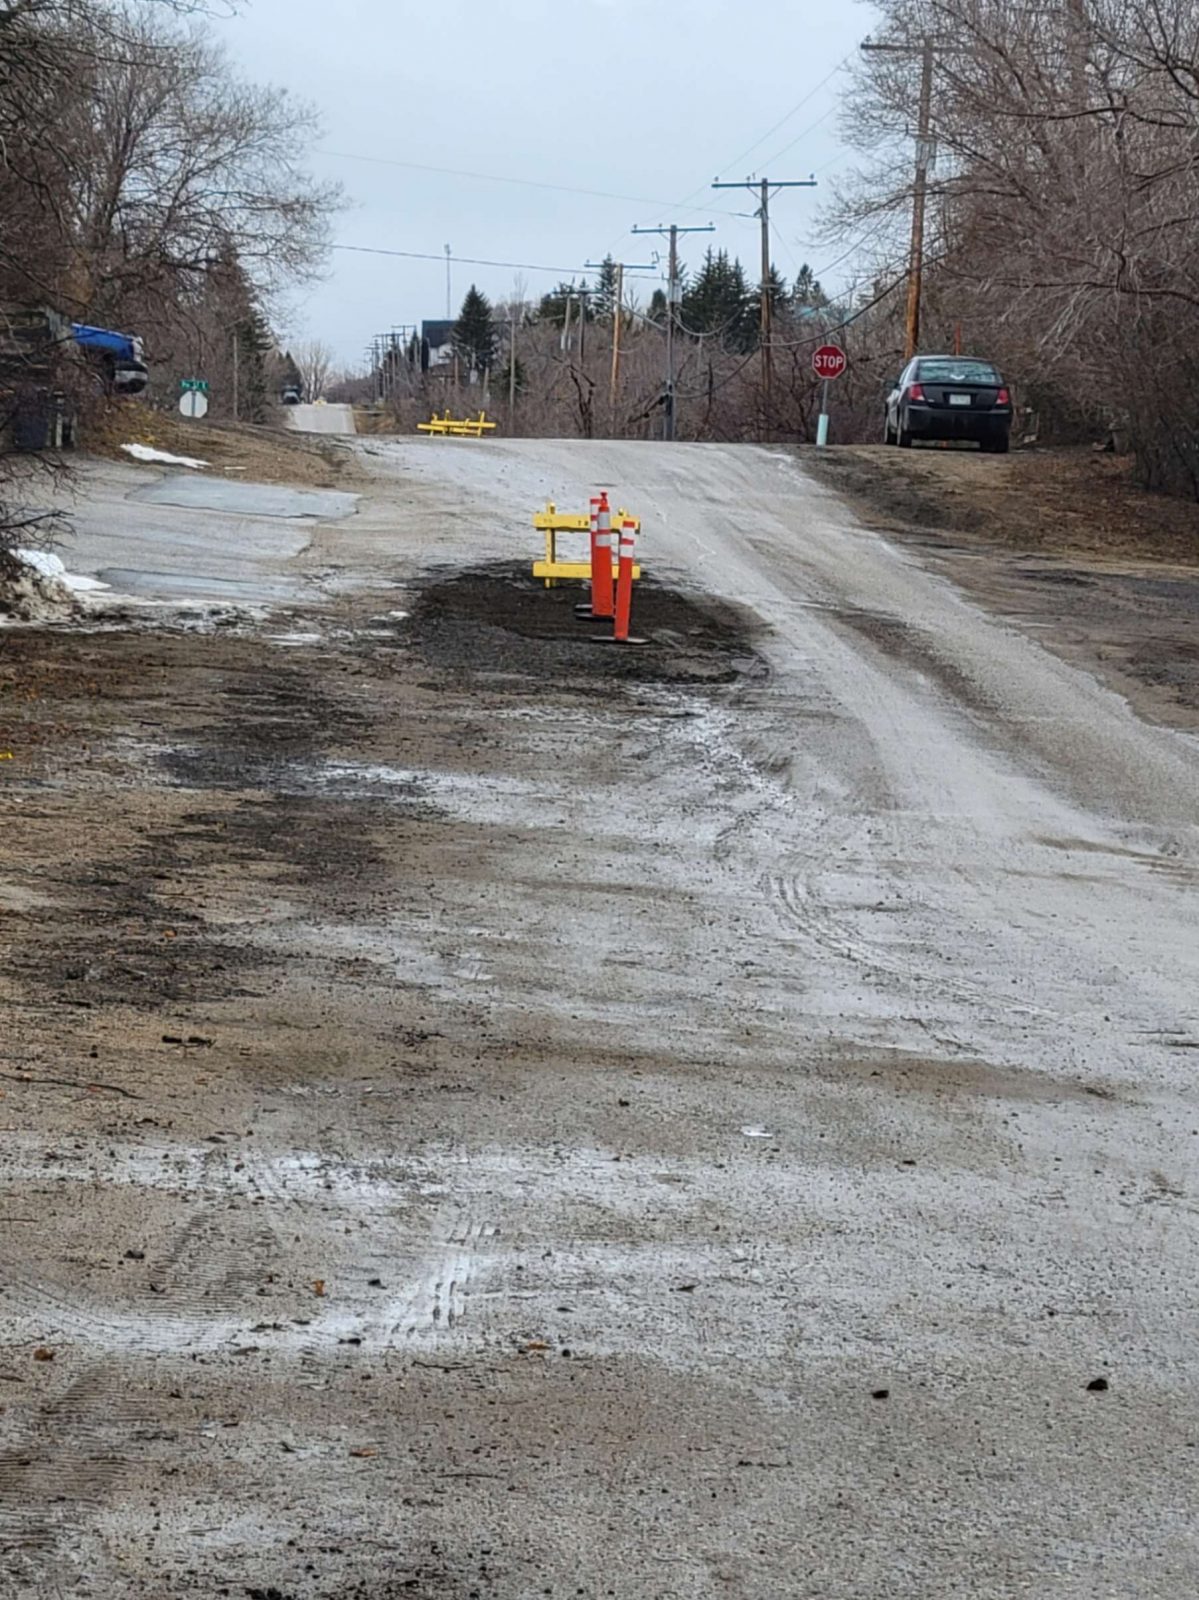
[(511, 371), (763, 187), (449, 292), (236, 374), (924, 153), (564, 341), (673, 297), (618, 316)]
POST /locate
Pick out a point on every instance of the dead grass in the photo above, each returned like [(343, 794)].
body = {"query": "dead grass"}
[(232, 449), (1075, 504)]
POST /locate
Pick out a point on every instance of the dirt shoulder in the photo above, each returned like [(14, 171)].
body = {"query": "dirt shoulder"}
[(234, 450), (1061, 540)]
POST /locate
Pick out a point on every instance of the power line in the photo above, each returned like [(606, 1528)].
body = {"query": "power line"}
[(794, 111), (866, 238), (522, 183), (800, 137), (685, 204), (467, 261)]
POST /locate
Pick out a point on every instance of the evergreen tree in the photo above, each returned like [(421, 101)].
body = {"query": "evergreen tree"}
[(806, 291), (603, 301), (657, 307), (254, 345), (474, 333), (719, 303)]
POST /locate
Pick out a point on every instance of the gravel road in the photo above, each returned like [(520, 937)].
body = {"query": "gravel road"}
[(494, 1116), (321, 419)]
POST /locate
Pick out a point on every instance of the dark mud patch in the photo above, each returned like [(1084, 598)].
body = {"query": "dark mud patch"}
[(900, 642), (499, 622), (931, 1076), (270, 719), (138, 938)]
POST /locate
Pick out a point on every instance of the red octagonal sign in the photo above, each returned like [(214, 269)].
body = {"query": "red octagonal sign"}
[(829, 361)]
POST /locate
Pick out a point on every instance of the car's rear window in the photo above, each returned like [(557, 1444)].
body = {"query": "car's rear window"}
[(954, 371)]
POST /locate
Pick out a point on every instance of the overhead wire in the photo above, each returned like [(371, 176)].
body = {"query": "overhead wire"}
[(794, 111), (522, 183), (466, 261), (685, 204), (798, 344), (800, 137), (866, 238)]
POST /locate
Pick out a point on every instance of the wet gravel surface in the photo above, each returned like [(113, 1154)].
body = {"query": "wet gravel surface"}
[(484, 1115)]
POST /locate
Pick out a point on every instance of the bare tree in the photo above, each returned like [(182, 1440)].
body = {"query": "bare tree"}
[(315, 361), (1064, 224), (144, 185)]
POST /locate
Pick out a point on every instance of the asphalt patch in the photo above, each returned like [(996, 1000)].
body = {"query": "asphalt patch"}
[(499, 622)]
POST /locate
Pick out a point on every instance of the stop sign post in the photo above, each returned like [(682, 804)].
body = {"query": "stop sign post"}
[(829, 362)]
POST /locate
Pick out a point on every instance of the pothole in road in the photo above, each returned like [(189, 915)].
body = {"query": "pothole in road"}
[(498, 620)]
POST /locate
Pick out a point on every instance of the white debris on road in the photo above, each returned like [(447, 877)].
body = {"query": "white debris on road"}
[(145, 452)]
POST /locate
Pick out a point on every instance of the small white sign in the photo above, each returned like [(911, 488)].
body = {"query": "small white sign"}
[(193, 404)]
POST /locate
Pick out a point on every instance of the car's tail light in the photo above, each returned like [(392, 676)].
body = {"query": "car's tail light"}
[(1003, 398), (916, 392)]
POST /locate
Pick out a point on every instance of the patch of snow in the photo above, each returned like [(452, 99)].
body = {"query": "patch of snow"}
[(51, 566), (42, 561), (144, 452)]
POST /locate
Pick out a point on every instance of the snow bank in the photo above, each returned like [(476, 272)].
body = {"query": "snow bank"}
[(49, 566), (143, 452)]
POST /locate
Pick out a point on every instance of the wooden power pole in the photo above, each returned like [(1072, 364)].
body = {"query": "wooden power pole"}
[(926, 50), (763, 186), (673, 296), (617, 318), (618, 315)]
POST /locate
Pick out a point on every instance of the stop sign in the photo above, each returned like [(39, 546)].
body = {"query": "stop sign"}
[(829, 361)]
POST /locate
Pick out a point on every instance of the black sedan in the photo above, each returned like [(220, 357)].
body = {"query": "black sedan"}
[(950, 397)]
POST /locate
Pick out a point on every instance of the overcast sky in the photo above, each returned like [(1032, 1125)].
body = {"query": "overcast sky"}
[(646, 100)]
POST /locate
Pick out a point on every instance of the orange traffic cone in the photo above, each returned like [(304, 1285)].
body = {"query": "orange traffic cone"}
[(623, 609), (600, 604)]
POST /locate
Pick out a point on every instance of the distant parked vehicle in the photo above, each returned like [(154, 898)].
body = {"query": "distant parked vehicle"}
[(119, 356), (291, 396), (950, 397)]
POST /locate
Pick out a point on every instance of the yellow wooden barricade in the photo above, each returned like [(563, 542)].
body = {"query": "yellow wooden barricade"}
[(457, 427), (552, 522)]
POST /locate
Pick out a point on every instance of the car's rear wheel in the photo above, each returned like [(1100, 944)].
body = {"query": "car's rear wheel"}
[(888, 430), (904, 438), (999, 446)]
